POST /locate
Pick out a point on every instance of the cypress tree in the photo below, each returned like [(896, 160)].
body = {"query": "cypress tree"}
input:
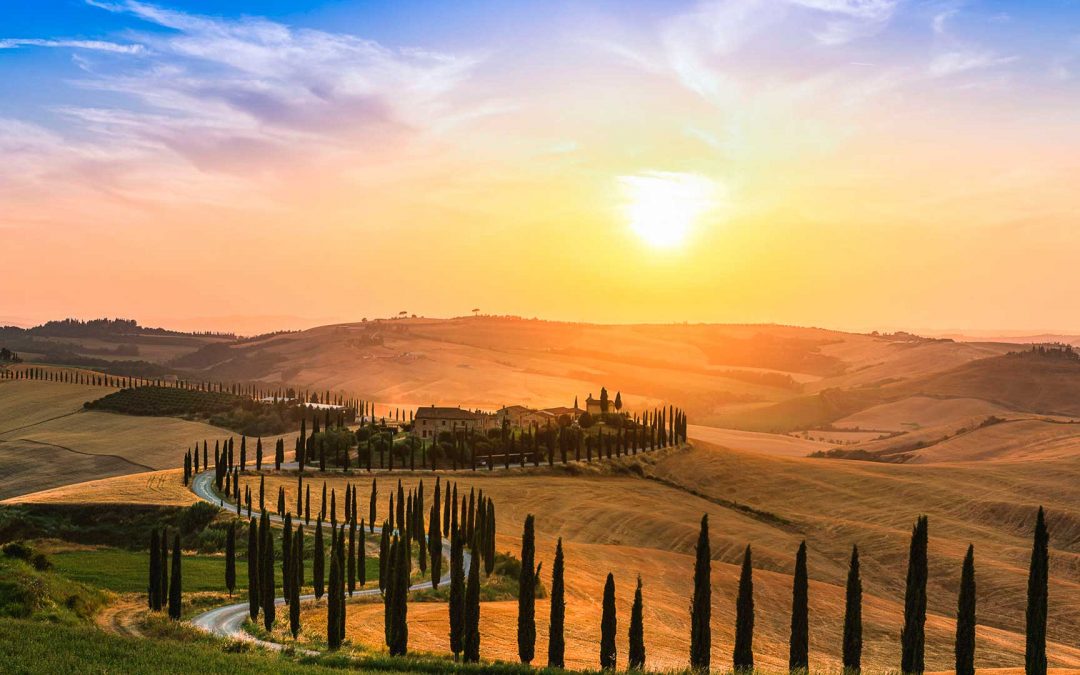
[(286, 554), (296, 555), (637, 631), (361, 563), (471, 639), (608, 626), (318, 560), (489, 523), (388, 592), (384, 555), (399, 520), (556, 631), (174, 582), (853, 617), (401, 600), (333, 620), (372, 504), (1038, 579), (743, 653), (258, 454), (267, 577), (701, 602), (164, 557), (154, 589), (307, 504), (912, 636), (457, 592), (435, 542), (965, 617), (342, 609), (446, 509), (799, 647), (527, 595), (351, 565), (253, 559), (230, 558)]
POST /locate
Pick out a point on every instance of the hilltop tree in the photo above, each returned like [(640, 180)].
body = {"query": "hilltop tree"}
[(743, 653), (603, 400), (174, 582), (912, 636), (618, 401), (637, 629), (701, 602), (1038, 579), (527, 595), (470, 642), (799, 648), (230, 558), (608, 626), (853, 617), (965, 617), (556, 637)]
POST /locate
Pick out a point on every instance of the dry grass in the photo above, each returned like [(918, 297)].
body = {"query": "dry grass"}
[(29, 402), (630, 525), (164, 488), (919, 411)]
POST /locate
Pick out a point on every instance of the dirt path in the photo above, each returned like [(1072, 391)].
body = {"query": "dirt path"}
[(122, 616)]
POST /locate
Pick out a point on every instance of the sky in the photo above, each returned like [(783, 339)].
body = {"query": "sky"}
[(856, 164)]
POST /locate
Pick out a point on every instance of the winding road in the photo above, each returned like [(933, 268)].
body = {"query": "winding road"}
[(228, 620)]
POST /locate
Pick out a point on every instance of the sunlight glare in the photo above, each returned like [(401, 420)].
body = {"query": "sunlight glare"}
[(662, 207)]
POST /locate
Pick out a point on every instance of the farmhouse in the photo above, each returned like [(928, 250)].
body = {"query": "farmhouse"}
[(431, 420), (519, 416)]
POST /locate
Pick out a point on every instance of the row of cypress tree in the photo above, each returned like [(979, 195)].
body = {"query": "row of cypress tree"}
[(163, 589)]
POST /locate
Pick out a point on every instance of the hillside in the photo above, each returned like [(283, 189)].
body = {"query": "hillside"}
[(713, 371)]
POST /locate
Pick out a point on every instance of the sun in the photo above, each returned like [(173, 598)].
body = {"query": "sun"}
[(663, 207)]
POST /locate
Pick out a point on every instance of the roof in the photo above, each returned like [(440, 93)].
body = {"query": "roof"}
[(563, 410), (446, 413)]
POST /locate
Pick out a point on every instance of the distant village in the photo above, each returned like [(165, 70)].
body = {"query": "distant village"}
[(429, 421)]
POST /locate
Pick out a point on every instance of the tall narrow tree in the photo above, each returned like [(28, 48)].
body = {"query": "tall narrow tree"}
[(608, 626), (164, 557), (913, 636), (318, 560), (267, 576), (333, 620), (637, 631), (434, 541), (361, 554), (457, 592), (372, 504), (701, 602), (174, 582), (526, 633), (1038, 579), (351, 564), (253, 558), (296, 557), (743, 652), (852, 656), (557, 627), (965, 617), (799, 646), (470, 643)]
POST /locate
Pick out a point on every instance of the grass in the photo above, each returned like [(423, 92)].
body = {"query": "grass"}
[(27, 592)]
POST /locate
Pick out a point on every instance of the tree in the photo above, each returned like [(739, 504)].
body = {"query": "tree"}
[(384, 555), (253, 570), (164, 580), (965, 617), (399, 606), (743, 653), (471, 639), (457, 592), (853, 617), (296, 581), (434, 541), (154, 588), (351, 563), (372, 504), (1038, 578), (618, 401), (266, 576), (637, 627), (556, 637), (608, 626), (701, 602), (603, 400), (799, 648), (912, 636), (318, 560), (526, 632), (333, 602), (174, 582), (286, 552), (230, 558)]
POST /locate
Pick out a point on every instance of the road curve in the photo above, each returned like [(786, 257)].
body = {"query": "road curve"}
[(228, 620)]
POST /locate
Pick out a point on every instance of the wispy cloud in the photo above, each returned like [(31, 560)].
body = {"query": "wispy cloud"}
[(956, 62), (94, 45)]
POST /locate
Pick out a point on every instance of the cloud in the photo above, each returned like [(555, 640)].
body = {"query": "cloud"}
[(94, 45), (956, 62)]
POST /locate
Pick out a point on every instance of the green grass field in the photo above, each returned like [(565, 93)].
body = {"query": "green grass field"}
[(125, 571)]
